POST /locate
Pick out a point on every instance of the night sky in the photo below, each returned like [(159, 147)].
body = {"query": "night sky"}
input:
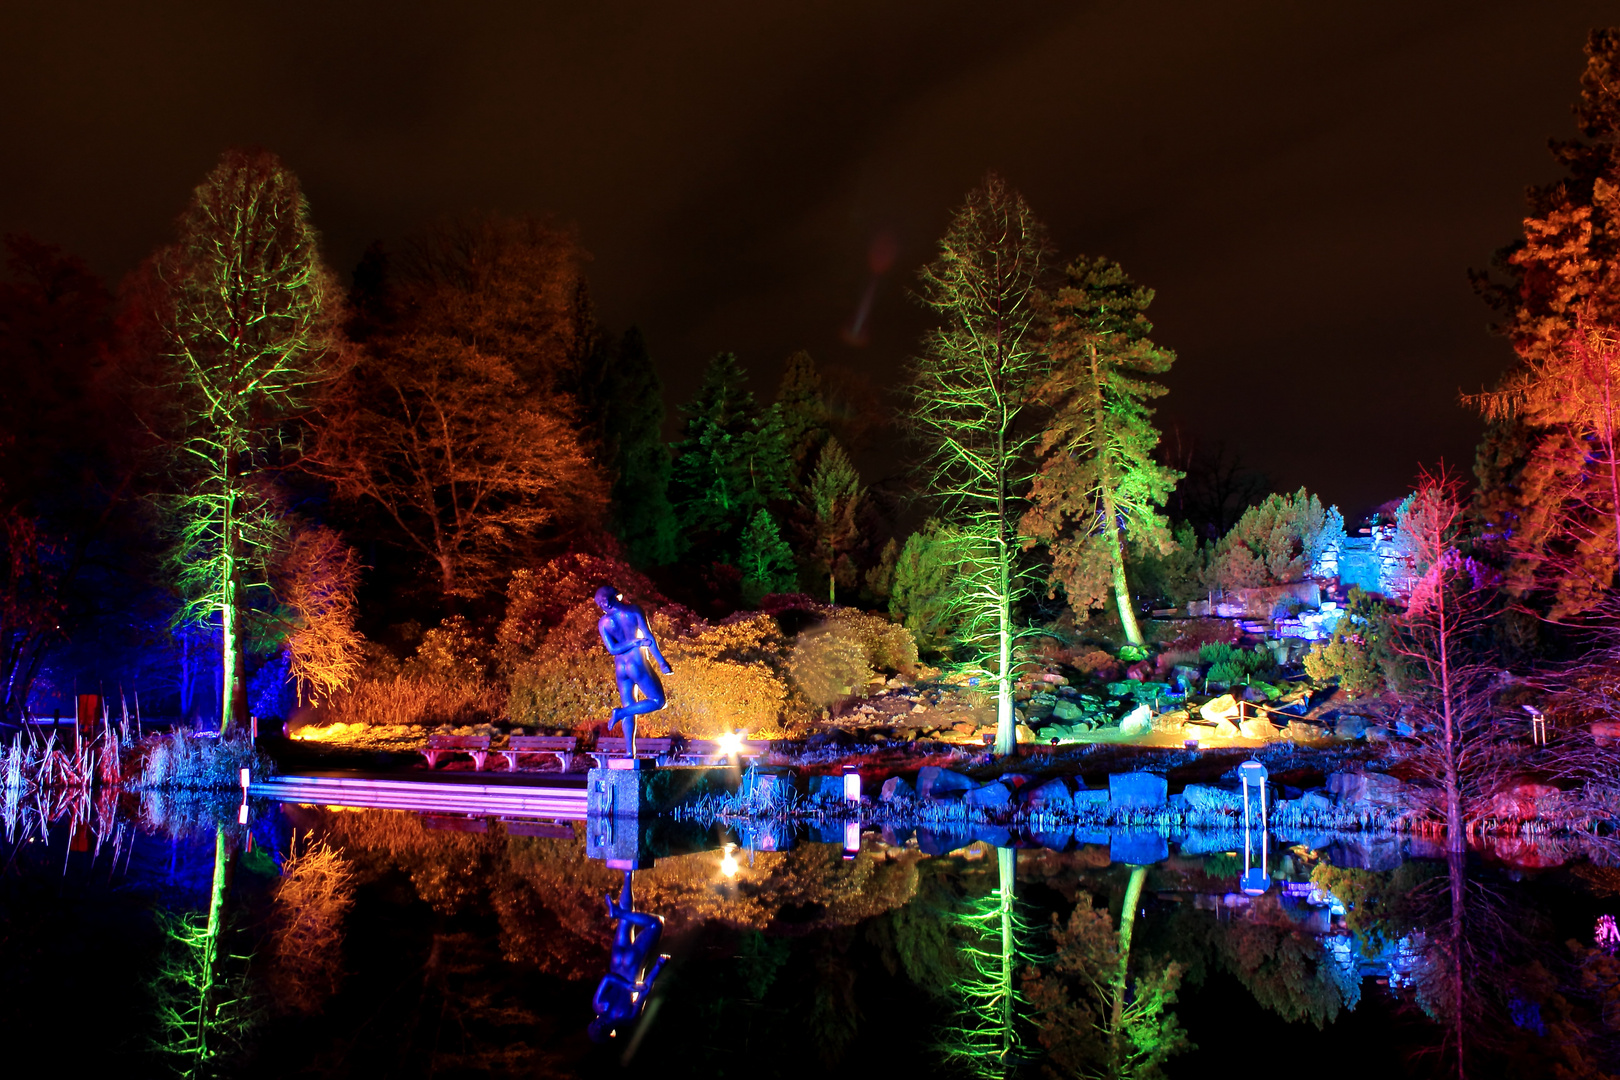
[(1306, 185)]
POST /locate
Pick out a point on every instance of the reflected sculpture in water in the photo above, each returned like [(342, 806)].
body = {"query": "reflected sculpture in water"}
[(630, 641), (623, 992)]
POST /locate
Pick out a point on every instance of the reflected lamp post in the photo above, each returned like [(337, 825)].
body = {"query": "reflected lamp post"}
[(1255, 880)]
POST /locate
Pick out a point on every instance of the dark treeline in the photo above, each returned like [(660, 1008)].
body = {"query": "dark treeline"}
[(236, 480)]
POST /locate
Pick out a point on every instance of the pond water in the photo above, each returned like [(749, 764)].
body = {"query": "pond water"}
[(155, 938)]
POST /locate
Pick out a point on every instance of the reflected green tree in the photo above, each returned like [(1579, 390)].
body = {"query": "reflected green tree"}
[(986, 1038), (1096, 1017), (204, 1010)]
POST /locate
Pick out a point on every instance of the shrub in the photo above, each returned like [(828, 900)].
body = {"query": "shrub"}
[(887, 646), (1275, 543), (444, 682), (828, 663), (730, 677), (538, 601), (1359, 656), (726, 678), (1098, 663), (1230, 664)]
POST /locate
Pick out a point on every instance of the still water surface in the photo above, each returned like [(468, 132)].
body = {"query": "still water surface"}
[(154, 939)]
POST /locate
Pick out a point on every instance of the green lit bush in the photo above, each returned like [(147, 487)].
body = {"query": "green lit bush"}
[(1359, 656)]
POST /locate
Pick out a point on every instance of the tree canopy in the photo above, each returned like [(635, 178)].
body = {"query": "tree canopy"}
[(1099, 481)]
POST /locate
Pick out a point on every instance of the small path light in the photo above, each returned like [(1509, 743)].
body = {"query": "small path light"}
[(728, 862), (852, 839)]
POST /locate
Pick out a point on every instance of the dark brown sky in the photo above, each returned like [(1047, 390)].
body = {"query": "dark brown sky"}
[(1305, 184)]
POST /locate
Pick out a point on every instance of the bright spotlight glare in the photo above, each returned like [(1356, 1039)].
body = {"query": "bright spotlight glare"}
[(728, 864), (731, 743)]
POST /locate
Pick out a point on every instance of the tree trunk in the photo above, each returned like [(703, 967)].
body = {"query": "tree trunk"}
[(1456, 841), (1007, 867), (1127, 922), (1111, 532), (210, 944), (1122, 588), (230, 675), (1006, 718)]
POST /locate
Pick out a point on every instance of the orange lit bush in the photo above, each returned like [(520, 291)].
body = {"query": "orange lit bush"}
[(743, 674), (444, 682)]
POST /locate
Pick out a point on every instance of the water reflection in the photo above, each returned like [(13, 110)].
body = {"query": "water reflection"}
[(633, 965), (337, 942)]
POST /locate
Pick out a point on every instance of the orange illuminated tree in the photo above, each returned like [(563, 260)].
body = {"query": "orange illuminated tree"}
[(457, 422)]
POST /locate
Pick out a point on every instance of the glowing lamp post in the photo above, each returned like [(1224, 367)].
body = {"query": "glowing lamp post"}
[(1255, 880), (852, 839)]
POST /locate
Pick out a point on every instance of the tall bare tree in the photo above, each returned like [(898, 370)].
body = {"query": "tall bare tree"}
[(972, 390), (248, 330)]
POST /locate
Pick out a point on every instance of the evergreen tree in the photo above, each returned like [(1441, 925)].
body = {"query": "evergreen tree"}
[(632, 422), (1098, 480), (921, 583), (835, 496), (247, 336), (972, 390), (1275, 543), (803, 409), (730, 461), (1549, 480), (765, 559)]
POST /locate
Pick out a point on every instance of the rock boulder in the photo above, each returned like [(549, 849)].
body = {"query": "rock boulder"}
[(895, 787), (1052, 795), (1137, 790), (1139, 721), (934, 782), (991, 796)]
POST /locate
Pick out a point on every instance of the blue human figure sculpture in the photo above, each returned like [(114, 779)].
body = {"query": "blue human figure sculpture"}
[(633, 966), (630, 640)]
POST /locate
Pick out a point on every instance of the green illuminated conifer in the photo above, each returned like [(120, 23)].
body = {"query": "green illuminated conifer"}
[(972, 390), (247, 335), (730, 460), (835, 500), (765, 559), (803, 411), (633, 421), (1098, 481)]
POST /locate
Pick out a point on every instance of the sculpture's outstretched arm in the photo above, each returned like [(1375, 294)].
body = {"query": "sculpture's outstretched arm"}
[(614, 646), (611, 979), (651, 643), (652, 973)]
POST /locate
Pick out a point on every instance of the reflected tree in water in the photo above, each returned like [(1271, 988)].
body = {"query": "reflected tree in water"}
[(313, 897), (995, 942), (1096, 1019), (204, 1010)]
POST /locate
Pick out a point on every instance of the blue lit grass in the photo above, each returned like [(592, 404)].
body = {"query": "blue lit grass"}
[(180, 762)]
